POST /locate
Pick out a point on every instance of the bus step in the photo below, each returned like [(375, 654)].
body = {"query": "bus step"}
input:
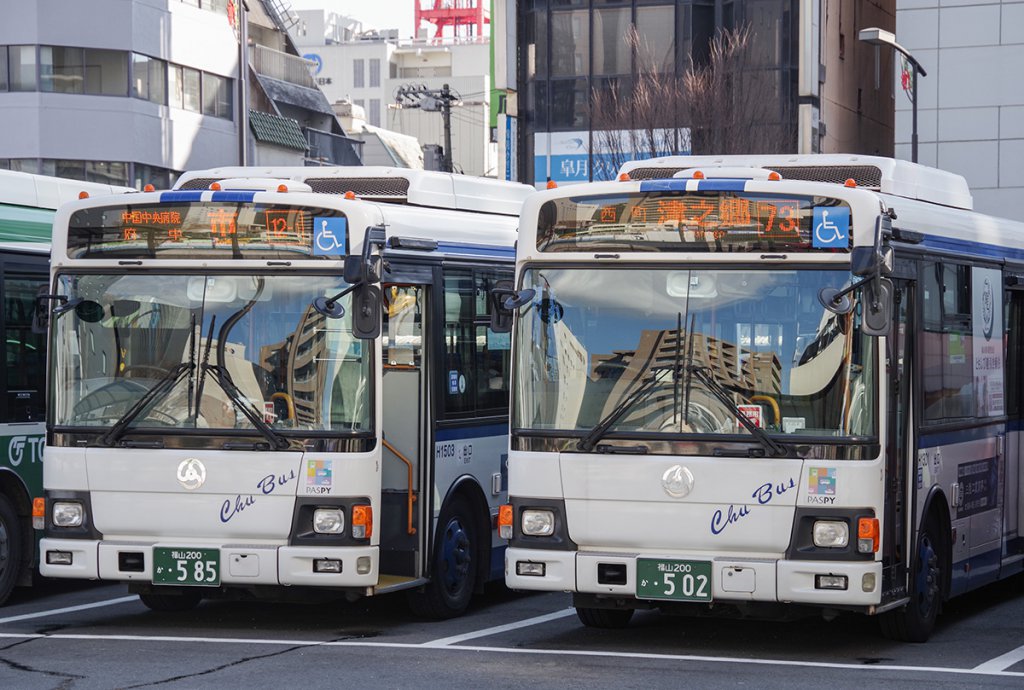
[(394, 583)]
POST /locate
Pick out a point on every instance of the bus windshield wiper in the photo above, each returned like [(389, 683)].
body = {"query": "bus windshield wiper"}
[(772, 447), (238, 400), (637, 396), (162, 387)]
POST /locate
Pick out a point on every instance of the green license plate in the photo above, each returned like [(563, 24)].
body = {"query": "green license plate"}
[(673, 580), (185, 566)]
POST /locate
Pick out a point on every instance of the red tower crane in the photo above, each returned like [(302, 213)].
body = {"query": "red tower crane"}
[(466, 17)]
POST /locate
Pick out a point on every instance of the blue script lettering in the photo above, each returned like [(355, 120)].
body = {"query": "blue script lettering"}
[(270, 482), (228, 511), (764, 495), (733, 515)]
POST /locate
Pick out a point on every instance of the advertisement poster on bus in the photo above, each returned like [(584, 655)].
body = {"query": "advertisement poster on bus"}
[(987, 317)]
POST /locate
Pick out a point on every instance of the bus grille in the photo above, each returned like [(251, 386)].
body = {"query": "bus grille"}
[(863, 175), (363, 187)]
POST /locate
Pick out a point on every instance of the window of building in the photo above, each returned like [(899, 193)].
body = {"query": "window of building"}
[(374, 114), (61, 70), (374, 72), (192, 89), (611, 51), (149, 79), (476, 360), (3, 68), (107, 172), (536, 45), (161, 178), (656, 29), (570, 99), (570, 44), (217, 96), (358, 73), (106, 72), (175, 86), (22, 68)]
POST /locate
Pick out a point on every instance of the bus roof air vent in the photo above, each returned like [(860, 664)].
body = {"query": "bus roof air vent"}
[(390, 188), (201, 183)]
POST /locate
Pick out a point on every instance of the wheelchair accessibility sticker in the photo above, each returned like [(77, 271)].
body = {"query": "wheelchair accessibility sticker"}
[(329, 235), (831, 228)]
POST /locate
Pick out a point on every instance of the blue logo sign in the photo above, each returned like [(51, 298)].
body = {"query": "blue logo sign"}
[(831, 228), (453, 382), (318, 60), (329, 236)]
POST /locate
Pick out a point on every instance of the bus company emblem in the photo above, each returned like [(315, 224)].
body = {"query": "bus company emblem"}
[(677, 481), (191, 473), (987, 309)]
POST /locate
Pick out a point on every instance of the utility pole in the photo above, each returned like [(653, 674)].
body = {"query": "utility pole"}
[(433, 100)]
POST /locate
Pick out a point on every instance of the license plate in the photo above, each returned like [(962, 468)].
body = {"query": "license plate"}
[(185, 566), (673, 580)]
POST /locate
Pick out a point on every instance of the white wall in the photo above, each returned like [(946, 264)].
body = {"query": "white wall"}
[(971, 104)]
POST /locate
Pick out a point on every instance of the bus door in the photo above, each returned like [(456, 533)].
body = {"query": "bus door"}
[(405, 407), (899, 464), (1013, 500)]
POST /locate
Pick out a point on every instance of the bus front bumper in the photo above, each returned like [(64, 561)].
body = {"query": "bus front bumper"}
[(238, 565), (822, 583)]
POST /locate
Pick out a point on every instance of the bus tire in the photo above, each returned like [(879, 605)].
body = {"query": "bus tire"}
[(453, 575), (11, 548), (604, 618), (916, 621), (171, 603)]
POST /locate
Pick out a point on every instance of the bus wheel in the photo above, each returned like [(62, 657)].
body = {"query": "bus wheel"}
[(171, 603), (453, 575), (10, 548), (604, 618), (916, 621)]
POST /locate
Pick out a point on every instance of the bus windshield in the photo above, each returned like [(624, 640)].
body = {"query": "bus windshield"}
[(208, 351), (666, 350)]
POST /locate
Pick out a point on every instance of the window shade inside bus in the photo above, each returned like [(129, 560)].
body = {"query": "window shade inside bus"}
[(211, 230), (700, 221)]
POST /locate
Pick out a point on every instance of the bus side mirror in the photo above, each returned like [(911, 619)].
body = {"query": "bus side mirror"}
[(501, 316), (366, 312), (877, 304)]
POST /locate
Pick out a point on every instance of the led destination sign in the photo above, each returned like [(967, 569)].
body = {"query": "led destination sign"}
[(712, 221), (199, 230)]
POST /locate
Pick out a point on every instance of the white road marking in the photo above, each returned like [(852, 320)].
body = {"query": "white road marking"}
[(519, 650), (69, 609), (486, 632), (1003, 661)]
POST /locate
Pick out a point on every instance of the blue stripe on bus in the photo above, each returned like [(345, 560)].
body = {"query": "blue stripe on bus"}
[(171, 197), (971, 248), (721, 185), (673, 185), (476, 249), (244, 197), (947, 438), (458, 433)]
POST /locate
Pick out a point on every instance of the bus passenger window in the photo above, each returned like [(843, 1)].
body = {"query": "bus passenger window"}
[(403, 325)]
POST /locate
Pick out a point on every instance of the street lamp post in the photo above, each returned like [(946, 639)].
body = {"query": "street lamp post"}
[(880, 37)]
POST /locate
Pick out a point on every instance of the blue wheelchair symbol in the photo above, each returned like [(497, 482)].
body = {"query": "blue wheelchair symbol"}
[(831, 228), (329, 236)]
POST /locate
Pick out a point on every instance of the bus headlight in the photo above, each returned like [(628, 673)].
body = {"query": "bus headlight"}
[(328, 521), (831, 534), (538, 523), (68, 514)]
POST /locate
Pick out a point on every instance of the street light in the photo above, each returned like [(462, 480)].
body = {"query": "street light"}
[(881, 37)]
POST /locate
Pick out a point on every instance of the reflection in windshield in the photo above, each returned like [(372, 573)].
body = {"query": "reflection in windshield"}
[(250, 349), (591, 338)]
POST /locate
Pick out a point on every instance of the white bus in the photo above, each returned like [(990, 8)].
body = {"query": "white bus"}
[(766, 385), (273, 382), (27, 207)]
